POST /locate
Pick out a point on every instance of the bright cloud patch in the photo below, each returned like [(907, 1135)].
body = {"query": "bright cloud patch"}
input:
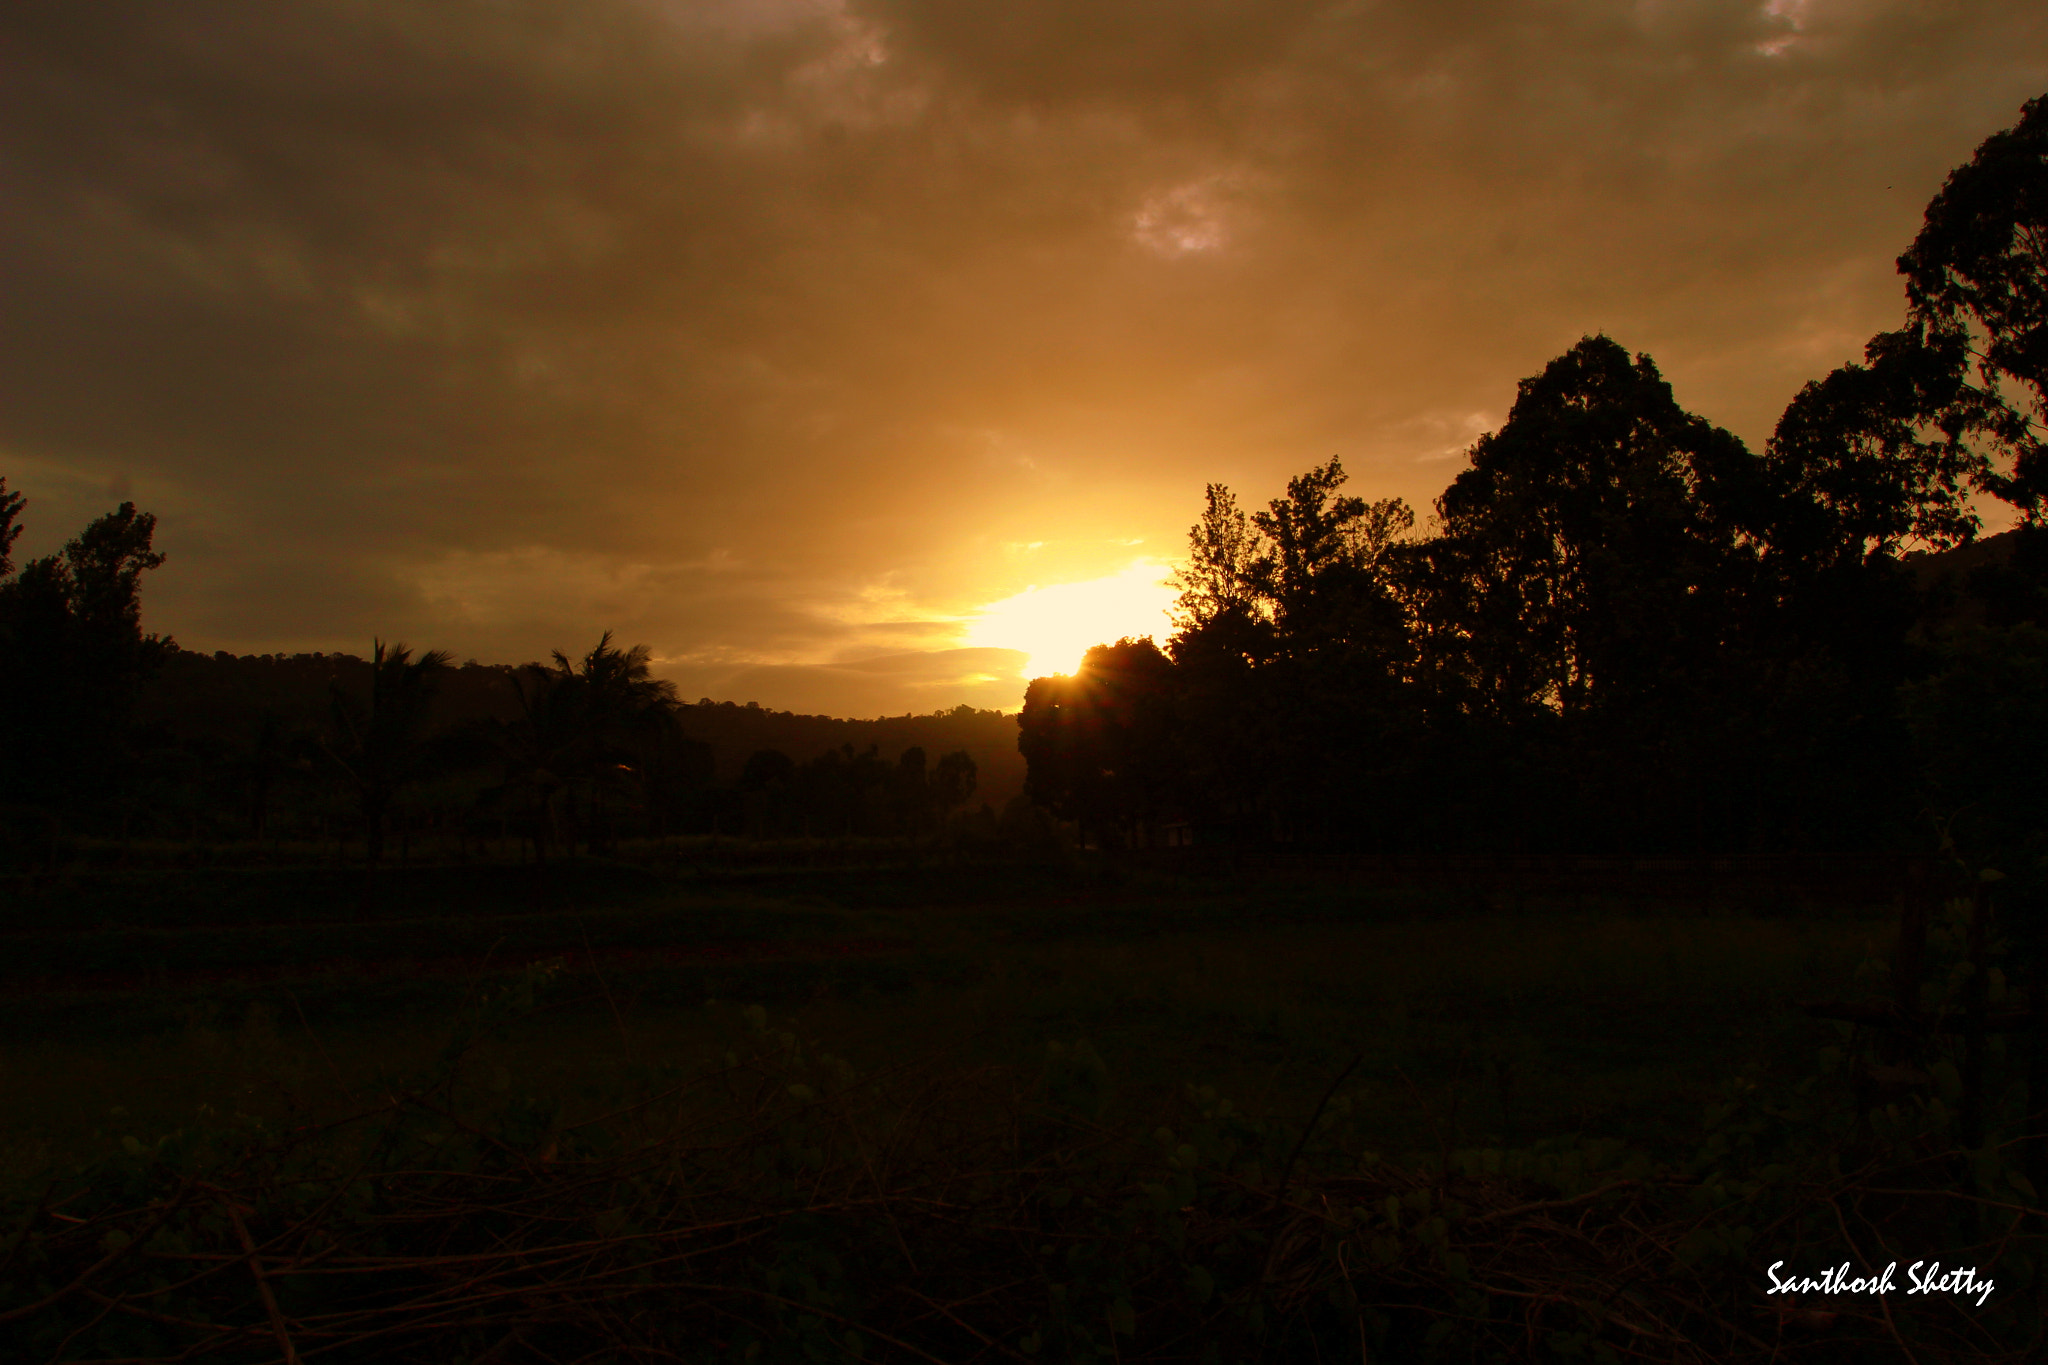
[(1056, 624), (1791, 14), (1183, 220)]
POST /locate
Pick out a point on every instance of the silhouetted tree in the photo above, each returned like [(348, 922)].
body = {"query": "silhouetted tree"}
[(1099, 743), (1304, 571), (953, 781), (1580, 563), (539, 749), (1293, 656), (765, 768), (275, 752), (1316, 572), (621, 709), (1871, 457), (1227, 563), (1879, 456), (10, 509), (833, 791), (72, 656), (764, 791), (867, 781), (1978, 273), (911, 794), (379, 743), (1588, 650), (582, 728)]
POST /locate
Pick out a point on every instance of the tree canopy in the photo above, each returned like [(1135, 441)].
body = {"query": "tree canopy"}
[(1623, 628), (1977, 290), (72, 656)]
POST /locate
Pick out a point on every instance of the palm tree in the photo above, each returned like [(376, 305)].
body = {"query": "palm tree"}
[(379, 748), (581, 728)]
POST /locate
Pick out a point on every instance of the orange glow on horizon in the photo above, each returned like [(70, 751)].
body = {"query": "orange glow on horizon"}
[(1058, 623)]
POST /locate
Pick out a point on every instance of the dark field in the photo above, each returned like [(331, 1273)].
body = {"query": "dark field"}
[(129, 999)]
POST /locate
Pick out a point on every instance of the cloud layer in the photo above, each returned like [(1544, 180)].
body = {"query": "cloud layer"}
[(784, 334)]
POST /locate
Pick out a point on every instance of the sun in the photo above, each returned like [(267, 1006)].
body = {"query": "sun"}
[(1058, 623)]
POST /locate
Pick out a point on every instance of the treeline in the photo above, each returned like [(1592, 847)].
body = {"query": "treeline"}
[(113, 733), (726, 768), (1623, 630)]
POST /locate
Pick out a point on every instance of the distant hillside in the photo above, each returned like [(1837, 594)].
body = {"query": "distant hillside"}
[(1994, 581), (1991, 551), (223, 699)]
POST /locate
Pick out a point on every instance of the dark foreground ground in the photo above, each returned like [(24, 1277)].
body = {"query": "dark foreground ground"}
[(284, 991), (1251, 1082)]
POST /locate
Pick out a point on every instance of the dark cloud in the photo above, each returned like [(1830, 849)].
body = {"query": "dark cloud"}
[(1167, 53), (767, 332)]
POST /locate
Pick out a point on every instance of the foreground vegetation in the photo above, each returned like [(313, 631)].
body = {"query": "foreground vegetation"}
[(953, 1110)]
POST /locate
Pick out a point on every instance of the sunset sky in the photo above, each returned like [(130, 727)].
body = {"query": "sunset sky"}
[(825, 347)]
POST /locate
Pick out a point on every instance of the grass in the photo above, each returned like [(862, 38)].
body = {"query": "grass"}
[(1473, 1026), (942, 1110)]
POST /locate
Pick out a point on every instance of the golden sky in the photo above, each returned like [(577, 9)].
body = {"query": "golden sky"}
[(824, 346)]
